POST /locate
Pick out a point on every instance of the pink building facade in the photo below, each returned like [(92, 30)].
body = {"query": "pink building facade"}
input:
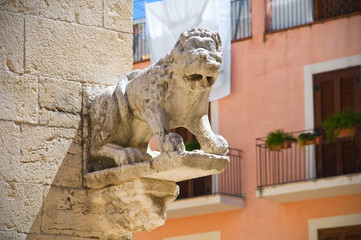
[(278, 77)]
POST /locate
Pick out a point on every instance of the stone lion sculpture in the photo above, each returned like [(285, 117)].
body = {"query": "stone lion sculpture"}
[(171, 93)]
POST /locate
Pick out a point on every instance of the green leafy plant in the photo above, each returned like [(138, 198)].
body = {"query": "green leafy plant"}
[(190, 146), (339, 121), (276, 140), (308, 138)]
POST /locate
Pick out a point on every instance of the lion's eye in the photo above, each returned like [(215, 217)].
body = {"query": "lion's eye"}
[(195, 77)]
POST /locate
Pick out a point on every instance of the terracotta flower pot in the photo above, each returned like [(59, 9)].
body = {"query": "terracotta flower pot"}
[(346, 132), (284, 145), (316, 140)]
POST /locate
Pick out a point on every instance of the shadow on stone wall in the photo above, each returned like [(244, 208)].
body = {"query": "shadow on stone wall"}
[(70, 211)]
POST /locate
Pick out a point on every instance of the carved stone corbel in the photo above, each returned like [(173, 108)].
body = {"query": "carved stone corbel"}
[(131, 188)]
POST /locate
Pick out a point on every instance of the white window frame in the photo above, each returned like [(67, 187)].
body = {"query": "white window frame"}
[(331, 222)]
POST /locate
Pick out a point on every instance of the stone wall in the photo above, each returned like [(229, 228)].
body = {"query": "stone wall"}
[(50, 52)]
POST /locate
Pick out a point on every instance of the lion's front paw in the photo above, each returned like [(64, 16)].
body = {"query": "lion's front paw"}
[(217, 145), (172, 142), (130, 155)]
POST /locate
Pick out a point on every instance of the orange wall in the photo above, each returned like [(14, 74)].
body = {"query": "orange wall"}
[(259, 220), (268, 93)]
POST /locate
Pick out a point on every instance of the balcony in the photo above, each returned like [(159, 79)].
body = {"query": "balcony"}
[(240, 29), (283, 14), (307, 172), (211, 194)]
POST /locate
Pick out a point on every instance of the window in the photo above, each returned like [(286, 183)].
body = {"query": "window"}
[(241, 19), (337, 91), (140, 45), (340, 233)]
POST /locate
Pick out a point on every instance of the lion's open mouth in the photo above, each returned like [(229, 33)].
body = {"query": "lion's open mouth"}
[(199, 77), (195, 77), (207, 80)]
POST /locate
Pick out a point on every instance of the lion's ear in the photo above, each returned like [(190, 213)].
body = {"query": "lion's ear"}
[(218, 42)]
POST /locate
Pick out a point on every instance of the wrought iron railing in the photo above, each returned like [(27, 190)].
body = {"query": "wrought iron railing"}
[(240, 21), (300, 163), (283, 14), (228, 182), (230, 178), (328, 9)]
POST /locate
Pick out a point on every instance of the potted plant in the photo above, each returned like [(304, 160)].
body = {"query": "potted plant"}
[(190, 146), (278, 139), (309, 138), (342, 124)]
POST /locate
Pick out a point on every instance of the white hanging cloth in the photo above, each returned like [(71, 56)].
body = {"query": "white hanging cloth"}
[(167, 19)]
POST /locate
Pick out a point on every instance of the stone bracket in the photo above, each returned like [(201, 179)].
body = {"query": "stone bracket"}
[(173, 167)]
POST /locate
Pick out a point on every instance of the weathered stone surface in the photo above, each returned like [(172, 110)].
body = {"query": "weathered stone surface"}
[(14, 235), (59, 119), (21, 6), (117, 175), (44, 150), (172, 93), (173, 167), (18, 97), (83, 12), (148, 200), (181, 166), (60, 95), (54, 237), (75, 52), (104, 214), (19, 205), (4, 235), (118, 15), (11, 42), (9, 151)]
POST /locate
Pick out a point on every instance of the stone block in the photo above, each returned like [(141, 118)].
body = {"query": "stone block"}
[(21, 6), (9, 151), (75, 52), (83, 12), (118, 15), (58, 119), (18, 97), (44, 150), (20, 205), (60, 95), (11, 42)]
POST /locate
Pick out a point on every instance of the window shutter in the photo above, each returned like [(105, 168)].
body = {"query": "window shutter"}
[(337, 91)]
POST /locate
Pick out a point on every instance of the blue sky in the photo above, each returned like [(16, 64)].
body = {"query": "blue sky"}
[(138, 8)]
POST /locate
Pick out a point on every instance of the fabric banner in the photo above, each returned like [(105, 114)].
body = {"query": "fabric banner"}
[(167, 19)]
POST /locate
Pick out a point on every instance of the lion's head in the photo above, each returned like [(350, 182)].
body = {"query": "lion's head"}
[(195, 58)]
